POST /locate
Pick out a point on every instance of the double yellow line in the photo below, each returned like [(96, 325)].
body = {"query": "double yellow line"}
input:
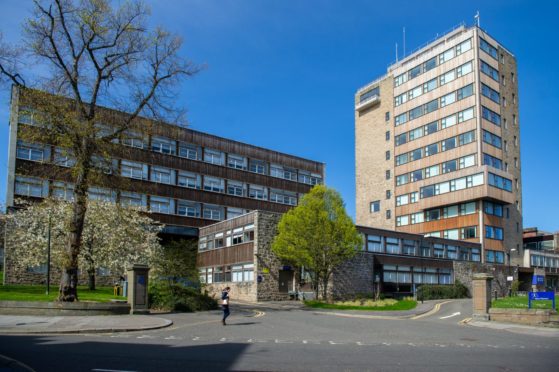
[(434, 310)]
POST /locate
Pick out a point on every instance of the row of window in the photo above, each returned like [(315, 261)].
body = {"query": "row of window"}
[(489, 71), (432, 84), (492, 161), (437, 214), (468, 232), (494, 209), (493, 232), (433, 62), (390, 245), (239, 235), (435, 170), (499, 182), (136, 170), (490, 93), (369, 94), (434, 105), (194, 152), (492, 139), (451, 186), (235, 273), (35, 187), (494, 257), (491, 116), (544, 261), (401, 274), (434, 148), (435, 126)]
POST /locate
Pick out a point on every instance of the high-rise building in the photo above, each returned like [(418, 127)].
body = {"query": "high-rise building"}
[(438, 144)]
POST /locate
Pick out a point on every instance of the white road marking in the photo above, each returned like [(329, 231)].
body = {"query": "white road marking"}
[(283, 341), (195, 338), (173, 338), (145, 336), (311, 342), (223, 339), (450, 316)]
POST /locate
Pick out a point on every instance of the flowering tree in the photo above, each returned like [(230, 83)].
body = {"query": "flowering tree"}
[(113, 237)]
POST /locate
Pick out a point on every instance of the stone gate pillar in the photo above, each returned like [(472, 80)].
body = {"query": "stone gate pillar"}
[(481, 295)]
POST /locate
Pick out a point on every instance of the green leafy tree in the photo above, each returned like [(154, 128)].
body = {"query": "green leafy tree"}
[(317, 234)]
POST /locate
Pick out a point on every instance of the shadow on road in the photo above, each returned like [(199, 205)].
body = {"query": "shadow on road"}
[(43, 353)]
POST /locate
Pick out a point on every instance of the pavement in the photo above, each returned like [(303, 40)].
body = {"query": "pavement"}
[(14, 324)]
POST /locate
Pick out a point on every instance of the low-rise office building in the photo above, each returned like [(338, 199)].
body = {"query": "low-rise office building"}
[(237, 253), (540, 256)]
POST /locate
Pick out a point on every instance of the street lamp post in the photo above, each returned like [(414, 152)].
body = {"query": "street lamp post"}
[(48, 254), (509, 273)]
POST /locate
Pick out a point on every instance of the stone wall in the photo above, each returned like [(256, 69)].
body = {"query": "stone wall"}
[(354, 277), (243, 291), (267, 265), (464, 272), (524, 316)]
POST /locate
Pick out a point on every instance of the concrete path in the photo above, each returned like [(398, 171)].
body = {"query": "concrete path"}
[(13, 324), (517, 328)]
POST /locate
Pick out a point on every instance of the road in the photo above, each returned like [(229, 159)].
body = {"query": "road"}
[(298, 340)]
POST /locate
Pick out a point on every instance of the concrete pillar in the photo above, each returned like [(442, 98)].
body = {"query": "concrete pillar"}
[(138, 289), (481, 295)]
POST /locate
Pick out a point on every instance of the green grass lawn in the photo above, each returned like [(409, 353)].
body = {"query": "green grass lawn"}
[(388, 306), (521, 302), (38, 293)]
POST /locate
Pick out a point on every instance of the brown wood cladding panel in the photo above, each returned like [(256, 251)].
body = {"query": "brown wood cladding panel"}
[(443, 224), (409, 261), (497, 245), (170, 219), (227, 256), (234, 147), (228, 224)]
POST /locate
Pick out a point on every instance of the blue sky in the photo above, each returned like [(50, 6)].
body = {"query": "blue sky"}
[(283, 74)]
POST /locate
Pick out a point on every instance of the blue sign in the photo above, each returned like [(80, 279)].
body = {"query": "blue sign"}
[(538, 280), (537, 296), (286, 268)]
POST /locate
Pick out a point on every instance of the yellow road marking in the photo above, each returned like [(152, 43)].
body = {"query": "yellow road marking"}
[(432, 311)]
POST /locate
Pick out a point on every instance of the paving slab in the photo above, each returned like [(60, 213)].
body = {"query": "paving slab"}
[(15, 324)]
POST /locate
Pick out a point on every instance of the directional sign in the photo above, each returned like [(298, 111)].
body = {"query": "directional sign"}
[(537, 296)]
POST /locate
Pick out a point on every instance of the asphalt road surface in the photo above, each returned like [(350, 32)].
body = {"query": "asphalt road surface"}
[(293, 340)]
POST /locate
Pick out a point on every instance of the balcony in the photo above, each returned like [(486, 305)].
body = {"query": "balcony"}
[(367, 102)]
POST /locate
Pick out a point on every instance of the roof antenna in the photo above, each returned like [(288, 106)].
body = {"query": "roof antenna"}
[(476, 19), (404, 34), (396, 52)]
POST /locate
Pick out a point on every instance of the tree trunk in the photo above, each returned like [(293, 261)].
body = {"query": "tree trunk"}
[(68, 291), (325, 288), (91, 279)]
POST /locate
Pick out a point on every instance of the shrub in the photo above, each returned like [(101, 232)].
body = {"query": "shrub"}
[(177, 297), (436, 292), (515, 286)]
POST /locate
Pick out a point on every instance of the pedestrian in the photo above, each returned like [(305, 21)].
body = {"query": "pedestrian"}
[(225, 303)]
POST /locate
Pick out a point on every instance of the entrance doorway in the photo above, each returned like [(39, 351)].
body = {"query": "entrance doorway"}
[(285, 281)]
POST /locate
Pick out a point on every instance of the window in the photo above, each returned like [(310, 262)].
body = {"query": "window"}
[(492, 161), (449, 54), (430, 64), (283, 197), (234, 212), (416, 133), (448, 144), (488, 48), (163, 145), (388, 194), (467, 161), (214, 156), (490, 93), (133, 199), (30, 186), (499, 182), (492, 139), (464, 47), (400, 139), (451, 211), (212, 212), (158, 204), (134, 139), (161, 175), (400, 200), (387, 116), (451, 234), (189, 151), (62, 190), (430, 85), (188, 209), (403, 158), (465, 115), (214, 184), (388, 214), (235, 188), (416, 154), (28, 151), (258, 166), (449, 121), (392, 245), (258, 192), (469, 232), (448, 77), (492, 232), (494, 209), (388, 135), (431, 149), (438, 250), (375, 206), (489, 71), (466, 138), (414, 72), (464, 92), (387, 155), (187, 179), (101, 194), (242, 273), (374, 243), (491, 116), (388, 174), (401, 119), (132, 169), (402, 179), (64, 157), (369, 94), (430, 128), (236, 161), (449, 166), (432, 215), (448, 99), (402, 220)]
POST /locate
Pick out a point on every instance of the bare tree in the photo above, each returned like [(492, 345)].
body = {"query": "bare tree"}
[(97, 55)]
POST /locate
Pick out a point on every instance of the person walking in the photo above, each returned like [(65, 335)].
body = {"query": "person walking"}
[(225, 303)]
